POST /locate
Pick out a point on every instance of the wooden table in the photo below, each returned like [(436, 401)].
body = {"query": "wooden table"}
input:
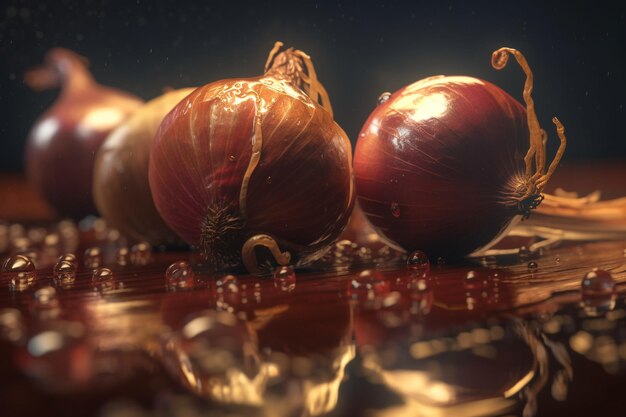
[(351, 336)]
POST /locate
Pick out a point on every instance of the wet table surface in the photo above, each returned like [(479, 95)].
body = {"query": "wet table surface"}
[(358, 333)]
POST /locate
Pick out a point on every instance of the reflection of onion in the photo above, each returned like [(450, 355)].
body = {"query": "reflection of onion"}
[(62, 144), (478, 369), (213, 355)]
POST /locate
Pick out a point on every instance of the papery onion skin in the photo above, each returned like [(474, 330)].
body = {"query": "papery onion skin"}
[(121, 189), (439, 166), (62, 144), (299, 192)]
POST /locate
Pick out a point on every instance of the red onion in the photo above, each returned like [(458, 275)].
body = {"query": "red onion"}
[(440, 166), (242, 164), (62, 145), (120, 188)]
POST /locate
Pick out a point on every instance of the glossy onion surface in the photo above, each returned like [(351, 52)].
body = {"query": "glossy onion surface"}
[(439, 165), (121, 189), (63, 142), (299, 192)]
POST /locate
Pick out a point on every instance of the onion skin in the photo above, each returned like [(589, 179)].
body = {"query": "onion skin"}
[(439, 166), (62, 144), (300, 191), (121, 189)]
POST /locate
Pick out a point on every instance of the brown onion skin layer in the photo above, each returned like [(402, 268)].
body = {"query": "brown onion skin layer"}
[(121, 189), (447, 153), (301, 190), (62, 145)]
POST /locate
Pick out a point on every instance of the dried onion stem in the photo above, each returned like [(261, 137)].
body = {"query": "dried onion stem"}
[(289, 64), (535, 159), (248, 254), (569, 218)]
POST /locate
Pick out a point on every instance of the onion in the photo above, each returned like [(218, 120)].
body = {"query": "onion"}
[(440, 166), (121, 189), (62, 144), (242, 164)]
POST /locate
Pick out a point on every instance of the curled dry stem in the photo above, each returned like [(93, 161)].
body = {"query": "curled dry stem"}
[(535, 159), (248, 254), (291, 64)]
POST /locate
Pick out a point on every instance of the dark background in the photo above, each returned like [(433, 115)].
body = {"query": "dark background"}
[(360, 49)]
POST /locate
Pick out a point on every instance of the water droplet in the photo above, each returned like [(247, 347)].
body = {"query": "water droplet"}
[(472, 280), (46, 342), (93, 257), (285, 278), (11, 324), (227, 283), (344, 252), (46, 298), (99, 225), (122, 256), (598, 283), (64, 273), (69, 234), (69, 257), (369, 288), (364, 253), (395, 209), (19, 271), (383, 98), (418, 285), (31, 254), (557, 260), (113, 235), (20, 243), (141, 253), (103, 279), (441, 260), (51, 240), (102, 274), (559, 385), (227, 293), (384, 253), (268, 180), (36, 234), (16, 230), (180, 276), (524, 253), (418, 260), (532, 266), (598, 292), (232, 158)]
